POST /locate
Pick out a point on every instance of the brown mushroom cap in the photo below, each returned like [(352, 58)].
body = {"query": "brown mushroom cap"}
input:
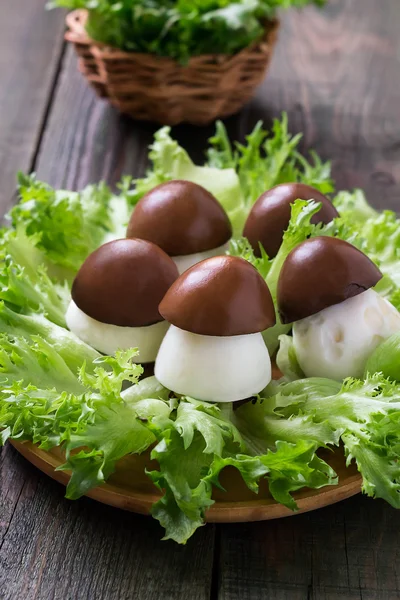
[(181, 217), (123, 282), (219, 296), (270, 215), (321, 272)]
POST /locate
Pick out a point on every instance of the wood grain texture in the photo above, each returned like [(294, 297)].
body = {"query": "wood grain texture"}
[(85, 139), (337, 74), (53, 548), (30, 48), (349, 550)]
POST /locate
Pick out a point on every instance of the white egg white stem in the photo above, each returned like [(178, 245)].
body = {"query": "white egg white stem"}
[(107, 338), (337, 342), (186, 261), (213, 369)]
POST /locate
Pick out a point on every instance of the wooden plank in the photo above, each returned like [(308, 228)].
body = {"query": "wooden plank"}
[(367, 564), (54, 548), (349, 550), (265, 560), (85, 139), (31, 42)]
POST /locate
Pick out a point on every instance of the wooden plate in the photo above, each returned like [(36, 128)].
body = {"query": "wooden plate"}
[(129, 487)]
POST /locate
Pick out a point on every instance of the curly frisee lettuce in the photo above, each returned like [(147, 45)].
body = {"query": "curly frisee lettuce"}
[(58, 391)]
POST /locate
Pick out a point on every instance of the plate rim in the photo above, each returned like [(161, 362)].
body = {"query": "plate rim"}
[(259, 509)]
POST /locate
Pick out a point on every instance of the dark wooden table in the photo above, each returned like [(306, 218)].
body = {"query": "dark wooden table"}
[(337, 74)]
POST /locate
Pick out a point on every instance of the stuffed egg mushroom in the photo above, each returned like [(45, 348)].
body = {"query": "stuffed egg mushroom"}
[(214, 350), (325, 290), (270, 215), (115, 297), (183, 219)]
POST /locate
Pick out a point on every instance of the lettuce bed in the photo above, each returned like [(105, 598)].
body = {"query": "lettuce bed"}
[(56, 390)]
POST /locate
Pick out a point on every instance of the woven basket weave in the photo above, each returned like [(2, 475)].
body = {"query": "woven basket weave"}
[(159, 89)]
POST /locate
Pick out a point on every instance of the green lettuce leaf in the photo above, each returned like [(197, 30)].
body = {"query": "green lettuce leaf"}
[(32, 307), (35, 293), (84, 411), (48, 416), (171, 161), (300, 228), (241, 247), (185, 452), (32, 314), (36, 362), (187, 493), (267, 159), (146, 388), (386, 359), (290, 467), (376, 234), (66, 226), (364, 415), (286, 359), (115, 432), (73, 351), (195, 446), (261, 426), (186, 477), (354, 206)]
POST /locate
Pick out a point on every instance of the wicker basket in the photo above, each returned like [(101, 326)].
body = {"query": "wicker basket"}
[(160, 89)]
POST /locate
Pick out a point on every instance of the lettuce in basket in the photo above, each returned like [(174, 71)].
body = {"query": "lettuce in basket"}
[(179, 29)]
